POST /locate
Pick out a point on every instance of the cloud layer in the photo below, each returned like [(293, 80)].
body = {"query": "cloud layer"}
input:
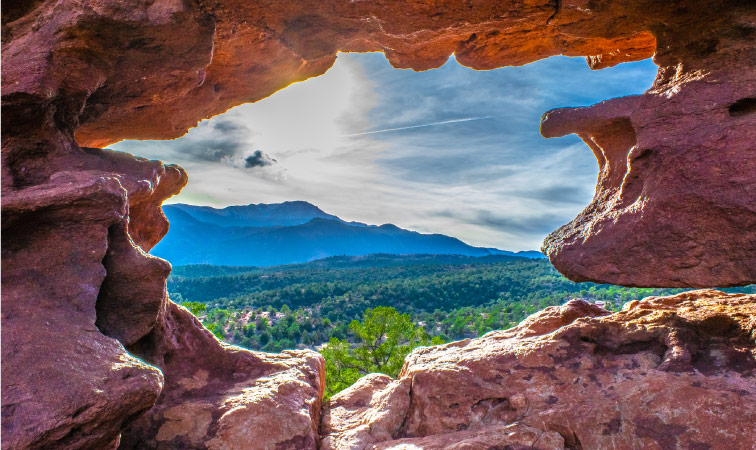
[(450, 150)]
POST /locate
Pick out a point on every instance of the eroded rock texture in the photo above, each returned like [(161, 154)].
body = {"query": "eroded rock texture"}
[(673, 204), (65, 383), (80, 297), (217, 396), (665, 373), (78, 291), (676, 167)]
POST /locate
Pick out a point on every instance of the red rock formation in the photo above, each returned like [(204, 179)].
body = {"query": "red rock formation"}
[(666, 372), (677, 166), (222, 397), (78, 287), (673, 204), (371, 410), (65, 384), (153, 69)]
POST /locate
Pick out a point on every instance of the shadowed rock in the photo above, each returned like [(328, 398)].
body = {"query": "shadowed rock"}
[(220, 396), (78, 287), (64, 383)]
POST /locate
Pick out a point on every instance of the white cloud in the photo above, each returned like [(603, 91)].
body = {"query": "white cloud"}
[(492, 182)]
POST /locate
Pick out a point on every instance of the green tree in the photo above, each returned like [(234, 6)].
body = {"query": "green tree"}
[(217, 330), (341, 367), (384, 337), (195, 308)]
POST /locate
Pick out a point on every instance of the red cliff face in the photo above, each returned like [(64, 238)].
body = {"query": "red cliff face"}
[(81, 300)]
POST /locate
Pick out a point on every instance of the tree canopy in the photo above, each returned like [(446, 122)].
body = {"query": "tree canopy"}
[(384, 338), (322, 304)]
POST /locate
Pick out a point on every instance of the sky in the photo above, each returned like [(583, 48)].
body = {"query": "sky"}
[(450, 150)]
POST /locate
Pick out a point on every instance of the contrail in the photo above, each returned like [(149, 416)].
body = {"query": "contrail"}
[(445, 122)]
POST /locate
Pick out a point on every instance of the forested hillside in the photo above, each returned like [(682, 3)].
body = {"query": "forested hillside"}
[(452, 297)]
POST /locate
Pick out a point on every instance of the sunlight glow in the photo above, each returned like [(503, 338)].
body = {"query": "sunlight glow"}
[(450, 150)]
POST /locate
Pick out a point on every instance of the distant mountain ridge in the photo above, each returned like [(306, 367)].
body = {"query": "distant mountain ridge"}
[(290, 233), (256, 215)]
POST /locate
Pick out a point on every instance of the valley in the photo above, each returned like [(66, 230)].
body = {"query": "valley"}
[(450, 296)]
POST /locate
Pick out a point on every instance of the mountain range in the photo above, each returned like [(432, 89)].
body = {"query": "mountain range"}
[(291, 232)]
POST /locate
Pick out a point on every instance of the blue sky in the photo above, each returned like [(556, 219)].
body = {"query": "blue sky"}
[(451, 150)]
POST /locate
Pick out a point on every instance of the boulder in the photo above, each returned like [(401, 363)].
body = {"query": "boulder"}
[(218, 396), (665, 372), (371, 410)]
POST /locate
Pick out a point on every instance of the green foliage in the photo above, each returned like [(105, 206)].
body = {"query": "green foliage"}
[(445, 297), (384, 338), (341, 369), (195, 308), (453, 297), (217, 330)]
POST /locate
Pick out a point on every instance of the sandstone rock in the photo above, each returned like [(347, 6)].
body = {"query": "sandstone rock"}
[(669, 185), (511, 437), (64, 384), (260, 48), (661, 214), (371, 410), (666, 372), (78, 287), (672, 207), (218, 396)]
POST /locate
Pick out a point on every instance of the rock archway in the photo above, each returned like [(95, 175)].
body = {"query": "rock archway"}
[(673, 205)]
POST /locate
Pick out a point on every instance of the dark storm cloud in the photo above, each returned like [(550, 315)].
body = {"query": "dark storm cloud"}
[(258, 159)]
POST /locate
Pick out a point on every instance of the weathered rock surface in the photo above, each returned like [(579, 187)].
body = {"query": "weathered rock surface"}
[(676, 171), (665, 373), (217, 396), (78, 288), (371, 410), (65, 384), (672, 207), (662, 214), (510, 437), (155, 68)]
